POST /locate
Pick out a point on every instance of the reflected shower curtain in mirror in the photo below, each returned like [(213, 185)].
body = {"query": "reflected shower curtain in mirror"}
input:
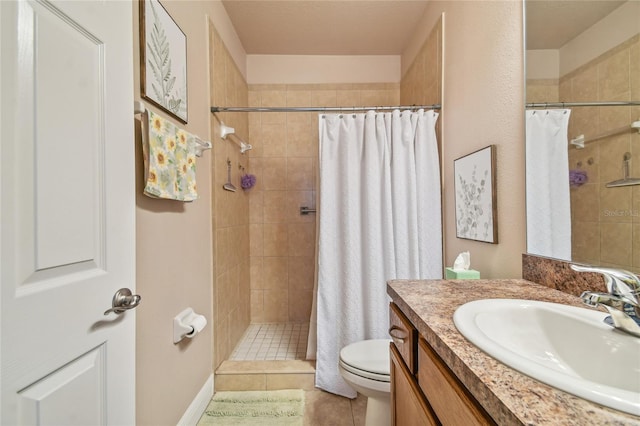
[(379, 219), (548, 199)]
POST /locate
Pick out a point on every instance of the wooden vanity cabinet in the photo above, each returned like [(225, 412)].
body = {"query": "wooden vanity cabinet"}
[(424, 391), (451, 401), (408, 405)]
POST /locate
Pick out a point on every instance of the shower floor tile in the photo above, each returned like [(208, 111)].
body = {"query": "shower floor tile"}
[(284, 341)]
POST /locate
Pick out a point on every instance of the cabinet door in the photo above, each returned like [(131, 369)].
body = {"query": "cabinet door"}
[(405, 337), (408, 406), (450, 400)]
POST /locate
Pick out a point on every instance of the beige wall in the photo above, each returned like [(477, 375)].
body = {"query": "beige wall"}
[(231, 209), (284, 159), (605, 221), (174, 249), (483, 98)]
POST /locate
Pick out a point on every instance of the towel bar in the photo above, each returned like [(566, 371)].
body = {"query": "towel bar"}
[(139, 108)]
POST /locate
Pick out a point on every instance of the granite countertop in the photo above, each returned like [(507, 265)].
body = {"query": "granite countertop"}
[(510, 397)]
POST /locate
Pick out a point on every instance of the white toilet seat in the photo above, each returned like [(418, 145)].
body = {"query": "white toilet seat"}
[(368, 359)]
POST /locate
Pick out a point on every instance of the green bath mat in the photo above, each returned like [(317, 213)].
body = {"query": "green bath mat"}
[(278, 407)]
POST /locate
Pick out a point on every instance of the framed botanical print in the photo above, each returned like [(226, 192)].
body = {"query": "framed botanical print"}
[(163, 60), (475, 187)]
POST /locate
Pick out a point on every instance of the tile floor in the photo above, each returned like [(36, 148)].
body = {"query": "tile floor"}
[(283, 341), (326, 409)]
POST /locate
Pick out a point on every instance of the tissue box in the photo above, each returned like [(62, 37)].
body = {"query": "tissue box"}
[(467, 274)]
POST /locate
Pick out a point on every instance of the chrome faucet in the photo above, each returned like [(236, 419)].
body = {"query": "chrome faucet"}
[(622, 300)]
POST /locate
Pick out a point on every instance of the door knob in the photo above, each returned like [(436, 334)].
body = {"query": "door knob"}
[(122, 301)]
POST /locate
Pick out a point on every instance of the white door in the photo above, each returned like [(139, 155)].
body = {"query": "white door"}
[(67, 209)]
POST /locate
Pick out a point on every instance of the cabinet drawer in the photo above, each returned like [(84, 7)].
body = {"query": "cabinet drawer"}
[(408, 406), (404, 336), (451, 401)]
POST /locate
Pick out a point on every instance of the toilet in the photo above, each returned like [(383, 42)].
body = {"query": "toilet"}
[(365, 367)]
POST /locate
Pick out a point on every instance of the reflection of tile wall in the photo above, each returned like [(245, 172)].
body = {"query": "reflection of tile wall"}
[(422, 83), (231, 294), (284, 159), (542, 90), (605, 221)]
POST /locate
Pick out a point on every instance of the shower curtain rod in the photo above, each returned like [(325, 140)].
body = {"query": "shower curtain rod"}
[(321, 109), (579, 104)]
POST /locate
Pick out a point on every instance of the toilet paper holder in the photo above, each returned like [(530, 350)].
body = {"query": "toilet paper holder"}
[(187, 324)]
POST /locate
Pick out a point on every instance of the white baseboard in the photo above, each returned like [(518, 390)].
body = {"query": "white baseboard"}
[(198, 405)]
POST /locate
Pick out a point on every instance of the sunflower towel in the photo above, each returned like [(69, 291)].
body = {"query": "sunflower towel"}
[(169, 160)]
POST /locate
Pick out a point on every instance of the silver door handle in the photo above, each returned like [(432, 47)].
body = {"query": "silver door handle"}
[(122, 301)]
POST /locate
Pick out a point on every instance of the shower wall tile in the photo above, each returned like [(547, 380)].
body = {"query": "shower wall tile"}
[(256, 233), (542, 90), (636, 246), (616, 204), (302, 237), (585, 203), (256, 167), (297, 98), (585, 242), (274, 137), (256, 206), (276, 239), (301, 139), (232, 237), (613, 83), (274, 172), (422, 83), (285, 164), (257, 272), (300, 173), (276, 272), (328, 98), (276, 306), (301, 273), (275, 203), (635, 194), (300, 304), (616, 244), (257, 306)]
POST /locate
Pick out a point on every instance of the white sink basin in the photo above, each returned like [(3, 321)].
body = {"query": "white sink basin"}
[(567, 347)]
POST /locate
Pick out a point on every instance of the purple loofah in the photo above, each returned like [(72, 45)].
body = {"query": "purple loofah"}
[(247, 181), (577, 177)]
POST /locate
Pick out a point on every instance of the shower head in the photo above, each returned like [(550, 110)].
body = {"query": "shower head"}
[(626, 180)]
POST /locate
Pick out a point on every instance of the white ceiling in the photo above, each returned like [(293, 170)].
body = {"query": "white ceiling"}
[(382, 27)]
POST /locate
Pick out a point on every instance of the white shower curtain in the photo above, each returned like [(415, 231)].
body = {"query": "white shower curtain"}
[(548, 199), (379, 218)]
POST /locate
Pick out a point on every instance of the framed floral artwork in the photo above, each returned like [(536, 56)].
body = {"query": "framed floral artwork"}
[(163, 60), (475, 187)]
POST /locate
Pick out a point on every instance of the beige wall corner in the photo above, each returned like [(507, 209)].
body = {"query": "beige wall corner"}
[(483, 104)]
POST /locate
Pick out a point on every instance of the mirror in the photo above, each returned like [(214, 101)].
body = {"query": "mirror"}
[(582, 52)]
